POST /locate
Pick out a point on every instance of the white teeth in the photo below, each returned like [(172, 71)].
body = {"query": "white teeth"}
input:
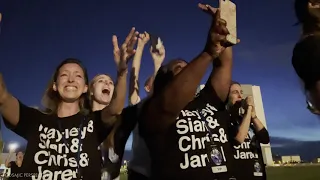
[(70, 88)]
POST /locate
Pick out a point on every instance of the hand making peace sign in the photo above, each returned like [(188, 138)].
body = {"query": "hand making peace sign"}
[(123, 54)]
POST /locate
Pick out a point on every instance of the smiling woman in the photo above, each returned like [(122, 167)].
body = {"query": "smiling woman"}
[(63, 143), (69, 91)]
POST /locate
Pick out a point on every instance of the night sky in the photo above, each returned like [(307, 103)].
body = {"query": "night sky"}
[(37, 35)]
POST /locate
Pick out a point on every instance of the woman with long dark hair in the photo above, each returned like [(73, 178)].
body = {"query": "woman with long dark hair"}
[(63, 143), (248, 132)]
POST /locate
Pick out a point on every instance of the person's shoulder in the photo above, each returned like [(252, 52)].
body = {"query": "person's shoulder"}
[(132, 109), (31, 112), (307, 43), (12, 164), (208, 95)]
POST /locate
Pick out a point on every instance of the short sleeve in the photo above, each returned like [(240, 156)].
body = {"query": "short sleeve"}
[(101, 128), (29, 119), (209, 94), (263, 136), (127, 118)]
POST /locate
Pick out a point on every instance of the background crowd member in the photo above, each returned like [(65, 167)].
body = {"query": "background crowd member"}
[(15, 166), (248, 133), (101, 94), (305, 59), (175, 125), (63, 144), (134, 97), (139, 165)]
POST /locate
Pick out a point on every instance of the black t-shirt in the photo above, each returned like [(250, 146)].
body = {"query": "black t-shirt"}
[(113, 157), (15, 171), (52, 151), (184, 151), (248, 157)]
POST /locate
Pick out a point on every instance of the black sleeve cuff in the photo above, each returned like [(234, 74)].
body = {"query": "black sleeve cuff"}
[(263, 136), (28, 117)]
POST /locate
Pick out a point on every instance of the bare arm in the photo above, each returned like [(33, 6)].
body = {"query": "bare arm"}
[(244, 126), (9, 105), (7, 163), (221, 75), (109, 113), (121, 56), (158, 58), (261, 132), (134, 75), (177, 94), (257, 124), (181, 90)]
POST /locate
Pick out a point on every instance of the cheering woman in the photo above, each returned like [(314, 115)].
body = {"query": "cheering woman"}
[(248, 132), (101, 93), (63, 143)]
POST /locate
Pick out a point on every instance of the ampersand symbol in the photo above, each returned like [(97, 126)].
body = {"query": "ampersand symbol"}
[(213, 123), (75, 145), (223, 136), (84, 160), (90, 126)]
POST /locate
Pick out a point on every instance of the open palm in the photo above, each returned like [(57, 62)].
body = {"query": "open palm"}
[(125, 53)]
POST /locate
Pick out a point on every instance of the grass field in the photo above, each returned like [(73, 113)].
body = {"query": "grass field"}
[(307, 172)]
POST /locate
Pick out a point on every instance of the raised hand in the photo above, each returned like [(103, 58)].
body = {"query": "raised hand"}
[(159, 55), (249, 102), (217, 37), (143, 39), (126, 52)]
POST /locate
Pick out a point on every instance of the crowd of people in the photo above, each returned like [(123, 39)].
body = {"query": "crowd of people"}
[(178, 133)]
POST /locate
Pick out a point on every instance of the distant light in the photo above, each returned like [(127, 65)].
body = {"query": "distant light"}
[(13, 146)]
